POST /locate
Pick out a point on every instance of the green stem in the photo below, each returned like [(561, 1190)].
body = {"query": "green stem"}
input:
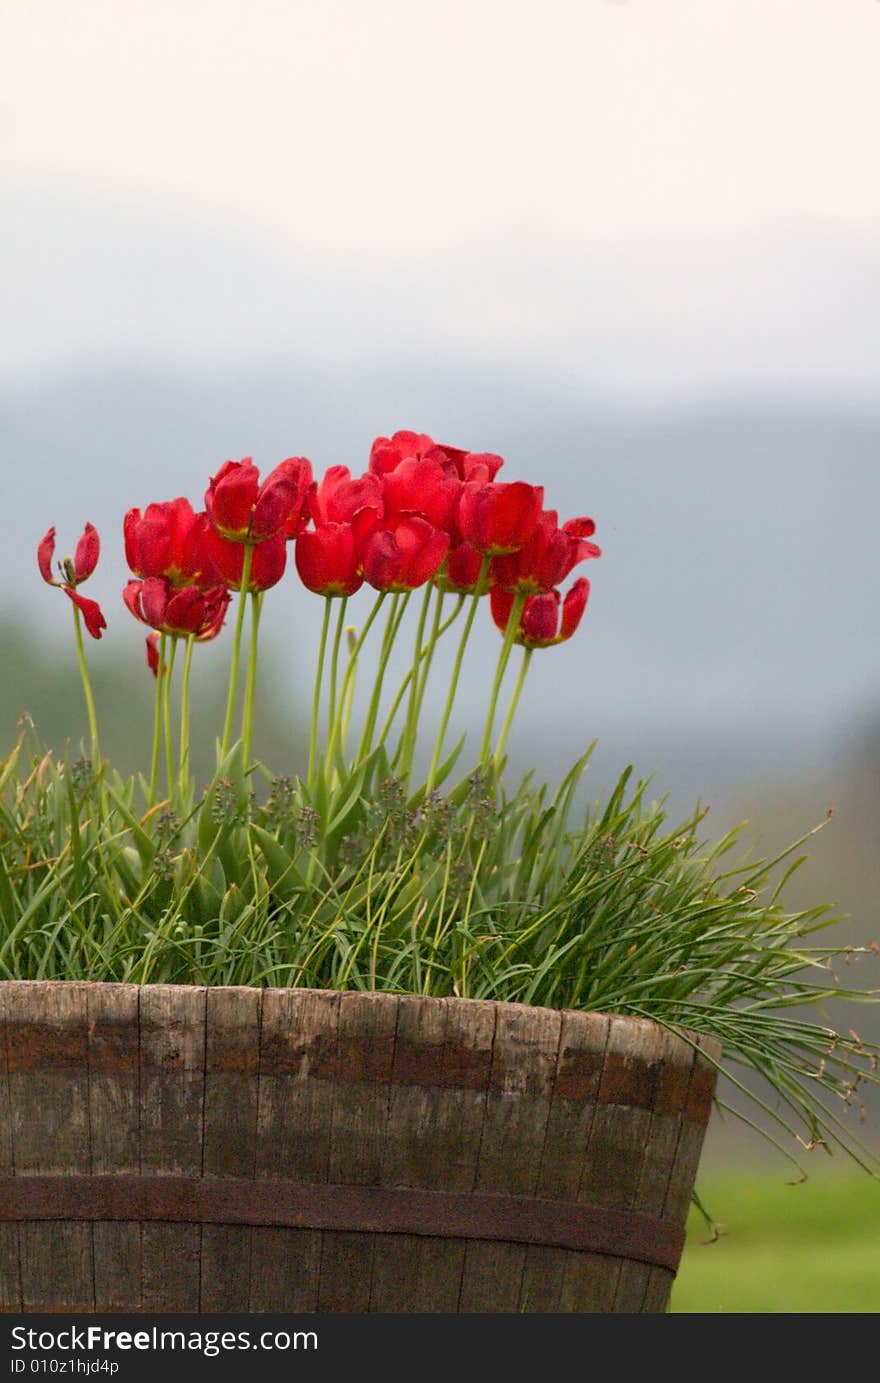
[(514, 702), (456, 672), (516, 610), (409, 729), (339, 724), (247, 715), (236, 649), (157, 724), (395, 615), (426, 655), (169, 739), (184, 716), (346, 700), (90, 708), (334, 659), (316, 700)]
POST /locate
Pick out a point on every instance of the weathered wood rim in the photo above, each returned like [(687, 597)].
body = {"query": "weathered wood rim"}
[(375, 1210)]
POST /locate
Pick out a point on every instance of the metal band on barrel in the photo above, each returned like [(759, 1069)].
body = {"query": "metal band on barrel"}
[(369, 1209)]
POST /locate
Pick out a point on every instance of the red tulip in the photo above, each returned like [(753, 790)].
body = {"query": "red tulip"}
[(422, 485), (85, 559), (405, 556), (163, 541), (244, 511), (499, 518), (339, 498), (328, 559), (470, 465), (539, 622), (386, 453), (548, 557), (179, 612), (225, 561), (75, 571), (461, 571)]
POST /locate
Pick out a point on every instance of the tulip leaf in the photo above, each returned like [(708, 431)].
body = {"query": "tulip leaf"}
[(284, 878), (145, 847), (7, 898), (353, 789)]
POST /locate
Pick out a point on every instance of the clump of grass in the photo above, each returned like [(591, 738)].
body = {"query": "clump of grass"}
[(472, 889)]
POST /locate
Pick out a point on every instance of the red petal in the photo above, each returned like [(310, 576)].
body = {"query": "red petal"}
[(573, 607), (540, 619), (421, 487), (88, 550), (91, 612), (130, 526), (216, 605), (327, 560), (185, 612), (501, 604), (382, 560), (132, 597), (425, 563), (153, 654), (270, 559), (579, 528), (462, 570), (281, 497), (45, 553), (156, 592), (231, 496)]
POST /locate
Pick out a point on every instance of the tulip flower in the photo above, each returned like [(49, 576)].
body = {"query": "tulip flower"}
[(460, 573), (405, 556), (243, 510), (422, 486), (178, 612), (340, 498), (162, 541), (548, 557), (539, 622), (386, 453), (469, 465), (225, 561), (328, 559), (75, 572), (496, 519)]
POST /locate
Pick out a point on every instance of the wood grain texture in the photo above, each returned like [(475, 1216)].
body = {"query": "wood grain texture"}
[(172, 1088), (294, 1115), (582, 1043), (10, 1279), (669, 1098), (611, 1169), (361, 1097), (692, 1131), (410, 1272), (232, 1063), (524, 1057), (114, 1119), (48, 1089)]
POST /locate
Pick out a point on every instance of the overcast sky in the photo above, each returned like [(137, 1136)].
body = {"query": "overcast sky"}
[(661, 198), (402, 127), (270, 227)]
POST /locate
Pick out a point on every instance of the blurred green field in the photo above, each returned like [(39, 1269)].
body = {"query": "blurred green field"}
[(814, 1247)]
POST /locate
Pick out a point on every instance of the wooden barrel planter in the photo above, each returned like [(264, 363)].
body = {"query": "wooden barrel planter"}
[(171, 1148)]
